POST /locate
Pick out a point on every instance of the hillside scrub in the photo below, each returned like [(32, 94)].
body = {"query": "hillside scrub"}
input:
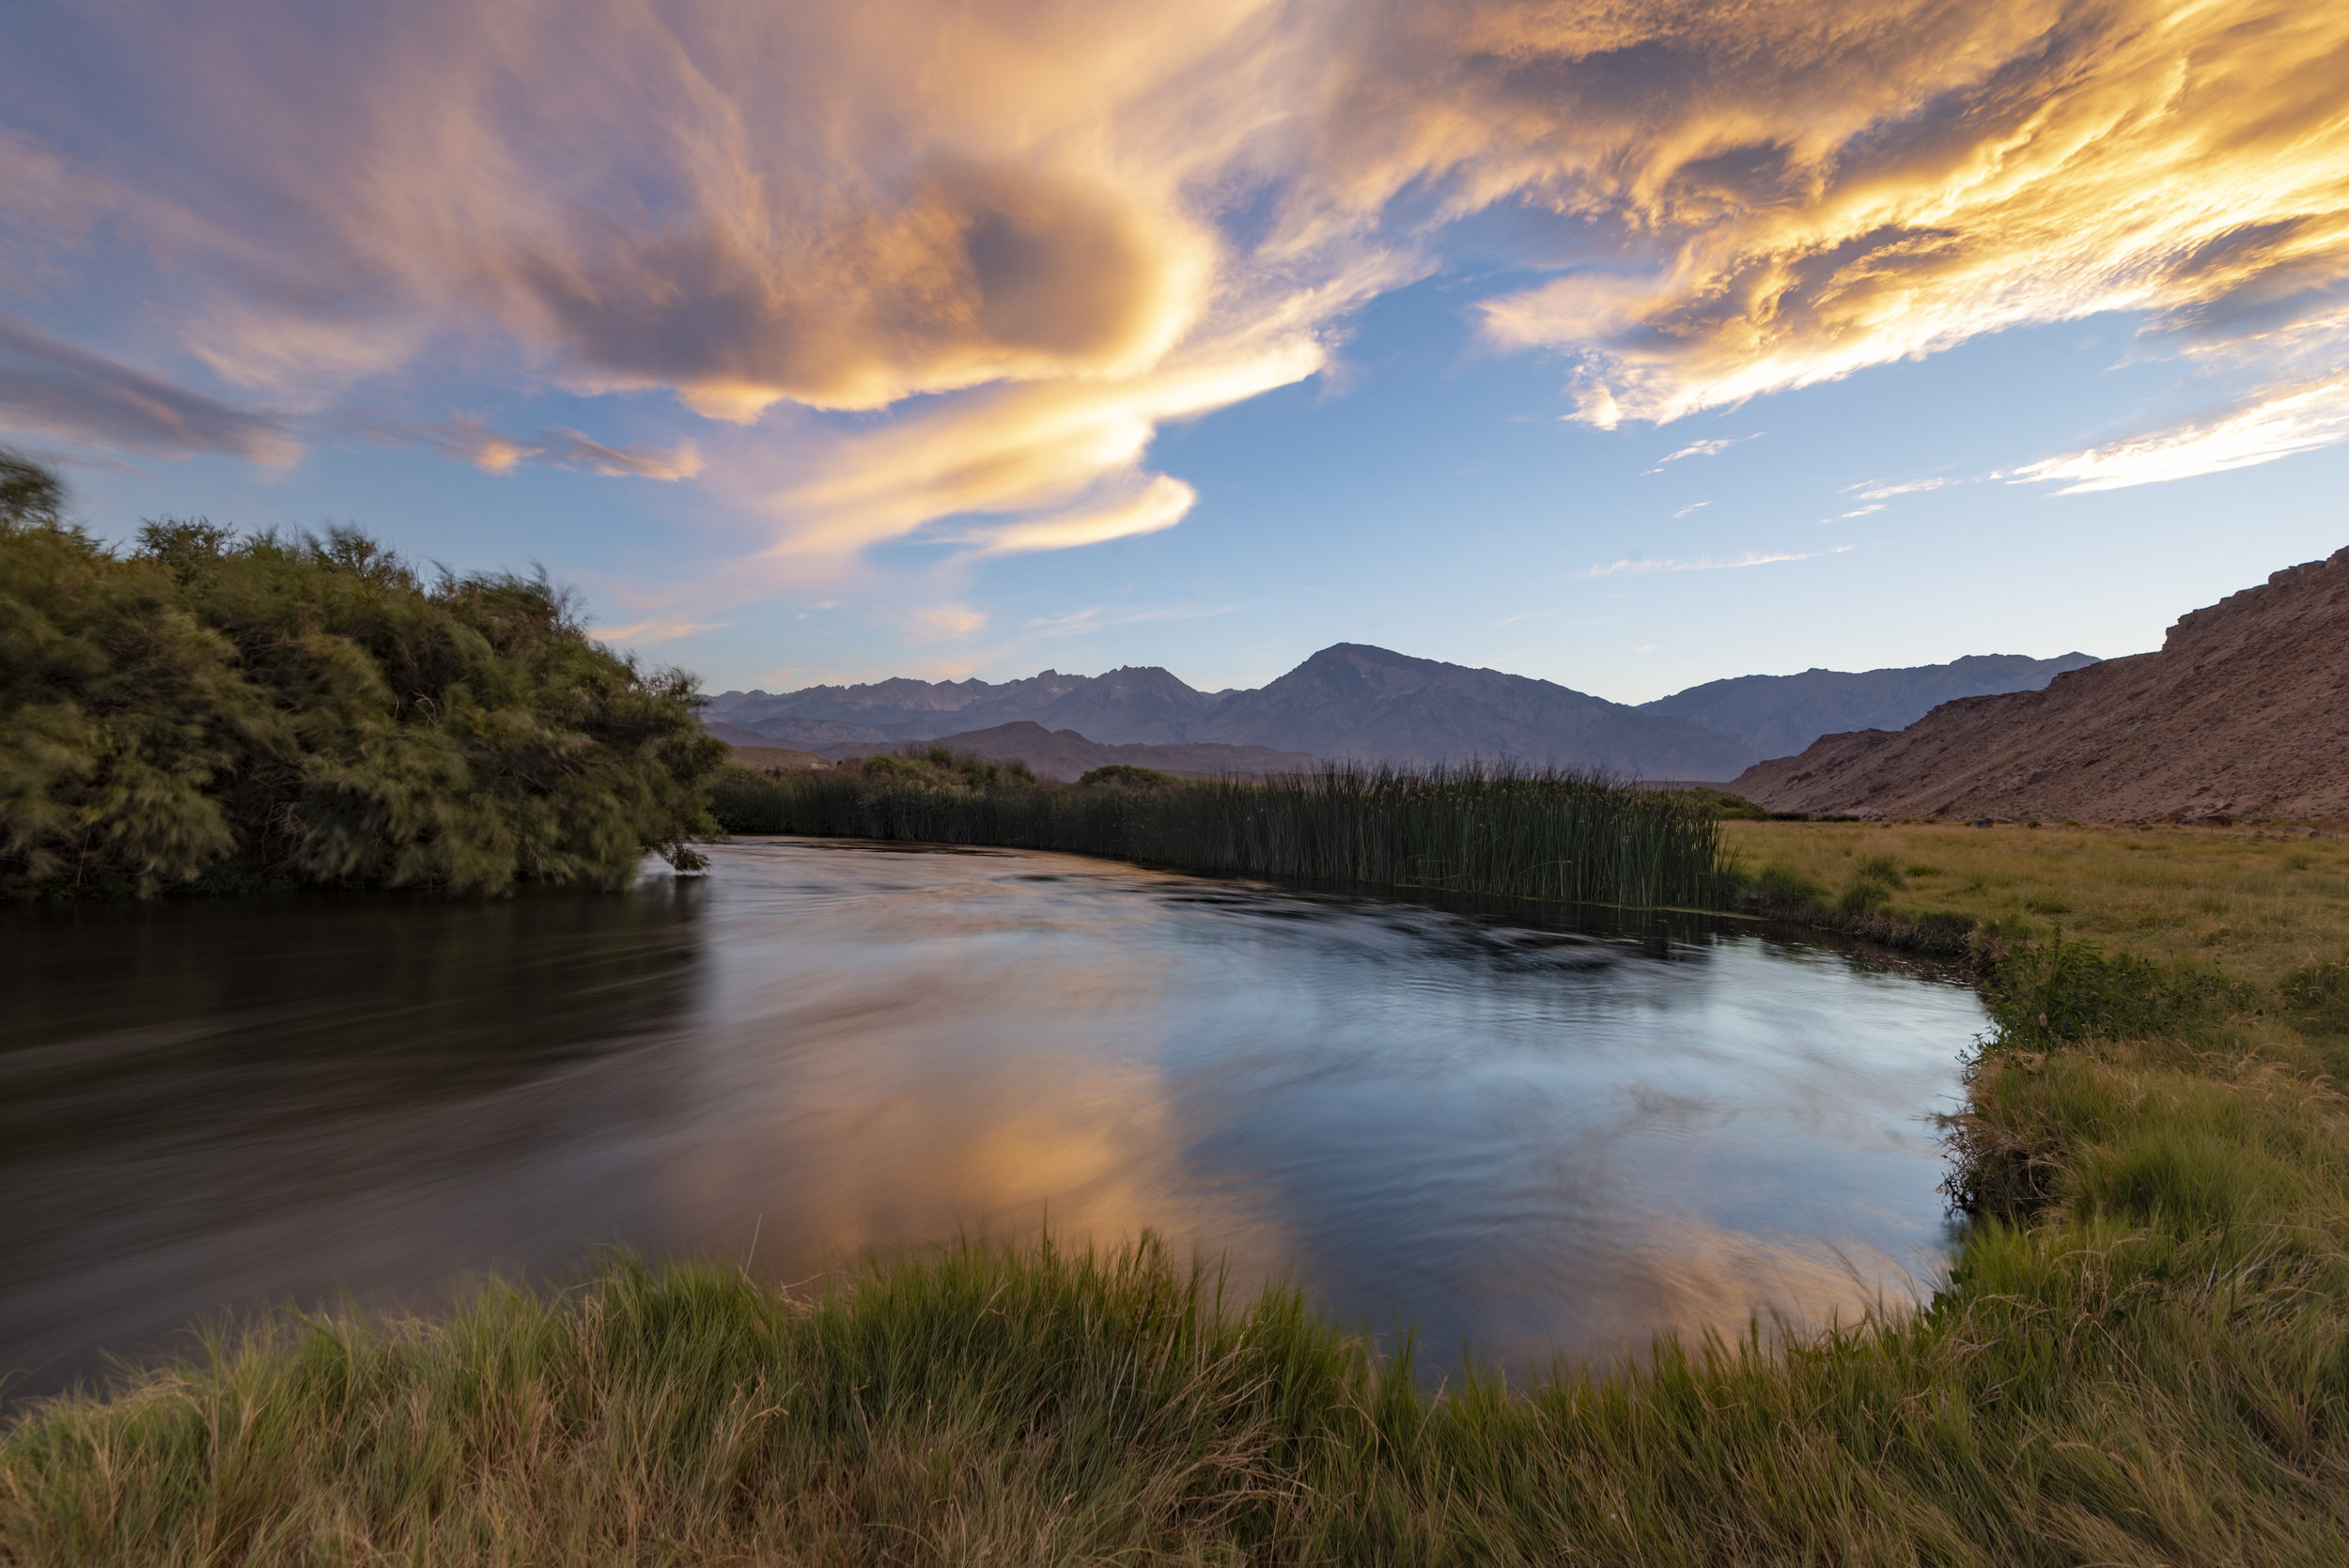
[(1544, 834), (205, 712)]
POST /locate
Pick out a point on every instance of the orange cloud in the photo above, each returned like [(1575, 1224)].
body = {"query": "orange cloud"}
[(1809, 191), (1022, 235)]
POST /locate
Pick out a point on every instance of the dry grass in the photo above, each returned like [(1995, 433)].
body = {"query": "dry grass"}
[(2258, 906)]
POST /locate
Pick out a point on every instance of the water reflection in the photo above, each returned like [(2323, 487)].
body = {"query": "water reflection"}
[(1527, 1140)]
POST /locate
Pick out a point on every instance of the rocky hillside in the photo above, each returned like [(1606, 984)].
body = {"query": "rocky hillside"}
[(1780, 715), (2244, 711)]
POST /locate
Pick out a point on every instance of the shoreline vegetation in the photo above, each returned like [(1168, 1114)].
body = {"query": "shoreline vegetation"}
[(1516, 832), (209, 714), (2141, 1355)]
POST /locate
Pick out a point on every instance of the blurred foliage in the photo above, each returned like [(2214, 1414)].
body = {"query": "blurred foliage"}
[(219, 713), (1125, 775)]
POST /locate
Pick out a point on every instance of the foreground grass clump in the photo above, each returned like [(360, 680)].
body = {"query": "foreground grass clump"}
[(2096, 1390), (1519, 833), (223, 714)]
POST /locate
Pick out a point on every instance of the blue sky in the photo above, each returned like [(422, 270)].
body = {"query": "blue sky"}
[(1620, 397)]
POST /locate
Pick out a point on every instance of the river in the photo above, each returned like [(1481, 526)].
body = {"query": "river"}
[(1526, 1135)]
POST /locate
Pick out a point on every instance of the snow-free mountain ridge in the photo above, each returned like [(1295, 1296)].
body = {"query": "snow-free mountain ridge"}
[(1355, 701)]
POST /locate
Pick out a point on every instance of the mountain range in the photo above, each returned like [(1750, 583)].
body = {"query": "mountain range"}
[(1780, 715), (1355, 701)]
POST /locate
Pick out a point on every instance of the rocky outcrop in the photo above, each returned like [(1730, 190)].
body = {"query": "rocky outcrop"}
[(2245, 711)]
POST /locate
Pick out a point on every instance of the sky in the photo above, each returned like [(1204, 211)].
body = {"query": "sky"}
[(1627, 344)]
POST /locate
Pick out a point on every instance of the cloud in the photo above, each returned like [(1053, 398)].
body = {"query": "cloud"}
[(2301, 420), (53, 389), (666, 629), (569, 449), (1160, 503), (1690, 507), (1036, 451), (470, 441), (946, 261), (1861, 511), (1873, 489), (1820, 190), (1628, 565), (1697, 449), (1079, 623), (946, 620)]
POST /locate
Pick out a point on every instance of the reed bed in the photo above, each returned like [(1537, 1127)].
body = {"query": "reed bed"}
[(1499, 829)]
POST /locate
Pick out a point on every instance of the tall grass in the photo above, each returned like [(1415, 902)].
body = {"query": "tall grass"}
[(2100, 1393), (1506, 831)]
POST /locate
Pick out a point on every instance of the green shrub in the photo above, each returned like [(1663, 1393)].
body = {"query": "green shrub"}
[(1728, 807), (2059, 992), (2319, 994), (217, 713), (1125, 775), (1779, 885)]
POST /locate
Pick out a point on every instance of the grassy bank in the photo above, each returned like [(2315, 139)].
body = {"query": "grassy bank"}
[(1514, 832), (2259, 906), (2143, 1357)]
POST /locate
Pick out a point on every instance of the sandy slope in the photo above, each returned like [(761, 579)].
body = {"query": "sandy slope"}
[(2244, 711)]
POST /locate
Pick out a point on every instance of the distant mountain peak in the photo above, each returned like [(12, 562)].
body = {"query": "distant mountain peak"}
[(1780, 715)]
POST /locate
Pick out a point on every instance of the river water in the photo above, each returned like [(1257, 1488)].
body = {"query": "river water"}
[(1526, 1138)]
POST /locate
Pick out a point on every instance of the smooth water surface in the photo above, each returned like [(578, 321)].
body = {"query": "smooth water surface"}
[(1522, 1139)]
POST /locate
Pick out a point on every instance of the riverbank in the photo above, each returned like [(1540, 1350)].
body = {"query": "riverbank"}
[(2139, 1358)]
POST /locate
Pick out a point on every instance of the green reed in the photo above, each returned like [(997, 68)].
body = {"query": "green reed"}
[(1520, 832)]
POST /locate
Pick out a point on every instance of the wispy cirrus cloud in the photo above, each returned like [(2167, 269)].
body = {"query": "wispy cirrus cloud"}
[(53, 389), (567, 448), (1875, 489), (1700, 449), (471, 441), (2301, 419), (1630, 565), (1092, 618), (660, 628)]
